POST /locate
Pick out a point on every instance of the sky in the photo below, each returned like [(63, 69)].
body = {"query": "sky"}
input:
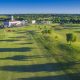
[(39, 6)]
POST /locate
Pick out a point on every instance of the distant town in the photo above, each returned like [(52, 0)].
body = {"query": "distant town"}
[(26, 19)]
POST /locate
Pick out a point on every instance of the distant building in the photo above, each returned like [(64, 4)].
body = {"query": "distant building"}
[(46, 22), (12, 18), (33, 21), (43, 22), (14, 23)]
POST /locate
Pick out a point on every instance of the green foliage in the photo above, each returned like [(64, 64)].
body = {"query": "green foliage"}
[(70, 37), (56, 37), (40, 49), (58, 27), (46, 31), (4, 17), (72, 25), (74, 38), (49, 31)]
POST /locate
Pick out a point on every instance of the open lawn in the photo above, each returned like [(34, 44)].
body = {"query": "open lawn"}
[(27, 54)]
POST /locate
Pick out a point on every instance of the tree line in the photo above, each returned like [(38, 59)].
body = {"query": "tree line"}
[(55, 18)]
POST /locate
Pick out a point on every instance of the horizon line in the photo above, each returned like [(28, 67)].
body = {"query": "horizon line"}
[(36, 13)]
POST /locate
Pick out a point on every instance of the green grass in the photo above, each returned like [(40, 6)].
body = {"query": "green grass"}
[(26, 54)]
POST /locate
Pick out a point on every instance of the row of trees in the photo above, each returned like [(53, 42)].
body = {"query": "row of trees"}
[(70, 37), (55, 18)]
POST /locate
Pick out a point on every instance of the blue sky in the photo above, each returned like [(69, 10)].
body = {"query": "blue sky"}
[(39, 6)]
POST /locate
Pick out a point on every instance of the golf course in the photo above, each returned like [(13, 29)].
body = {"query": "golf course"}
[(27, 53)]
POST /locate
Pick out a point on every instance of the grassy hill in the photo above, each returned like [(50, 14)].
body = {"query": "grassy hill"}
[(27, 54)]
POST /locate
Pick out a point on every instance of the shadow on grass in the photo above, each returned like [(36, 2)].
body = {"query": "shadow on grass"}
[(77, 31), (50, 67), (22, 49), (75, 76), (24, 58), (66, 47), (69, 50), (18, 37), (25, 43), (19, 58), (8, 40), (20, 32)]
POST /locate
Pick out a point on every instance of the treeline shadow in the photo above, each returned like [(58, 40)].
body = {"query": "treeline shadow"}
[(18, 37), (50, 67), (25, 43), (75, 76), (24, 58), (11, 40), (21, 32), (66, 47), (21, 49), (18, 57), (70, 53)]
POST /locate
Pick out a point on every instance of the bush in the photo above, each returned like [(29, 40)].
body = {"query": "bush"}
[(49, 31), (46, 31), (70, 37), (56, 37)]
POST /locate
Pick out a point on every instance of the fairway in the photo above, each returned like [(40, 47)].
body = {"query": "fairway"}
[(24, 55)]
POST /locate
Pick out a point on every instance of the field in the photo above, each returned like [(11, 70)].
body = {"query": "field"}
[(27, 54)]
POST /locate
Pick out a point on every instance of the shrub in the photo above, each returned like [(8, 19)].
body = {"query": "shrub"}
[(70, 37), (56, 37)]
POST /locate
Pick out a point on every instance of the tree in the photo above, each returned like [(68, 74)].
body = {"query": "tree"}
[(70, 37), (46, 31)]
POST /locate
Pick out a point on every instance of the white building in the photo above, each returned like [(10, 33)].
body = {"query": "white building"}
[(46, 22), (14, 23), (33, 21)]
